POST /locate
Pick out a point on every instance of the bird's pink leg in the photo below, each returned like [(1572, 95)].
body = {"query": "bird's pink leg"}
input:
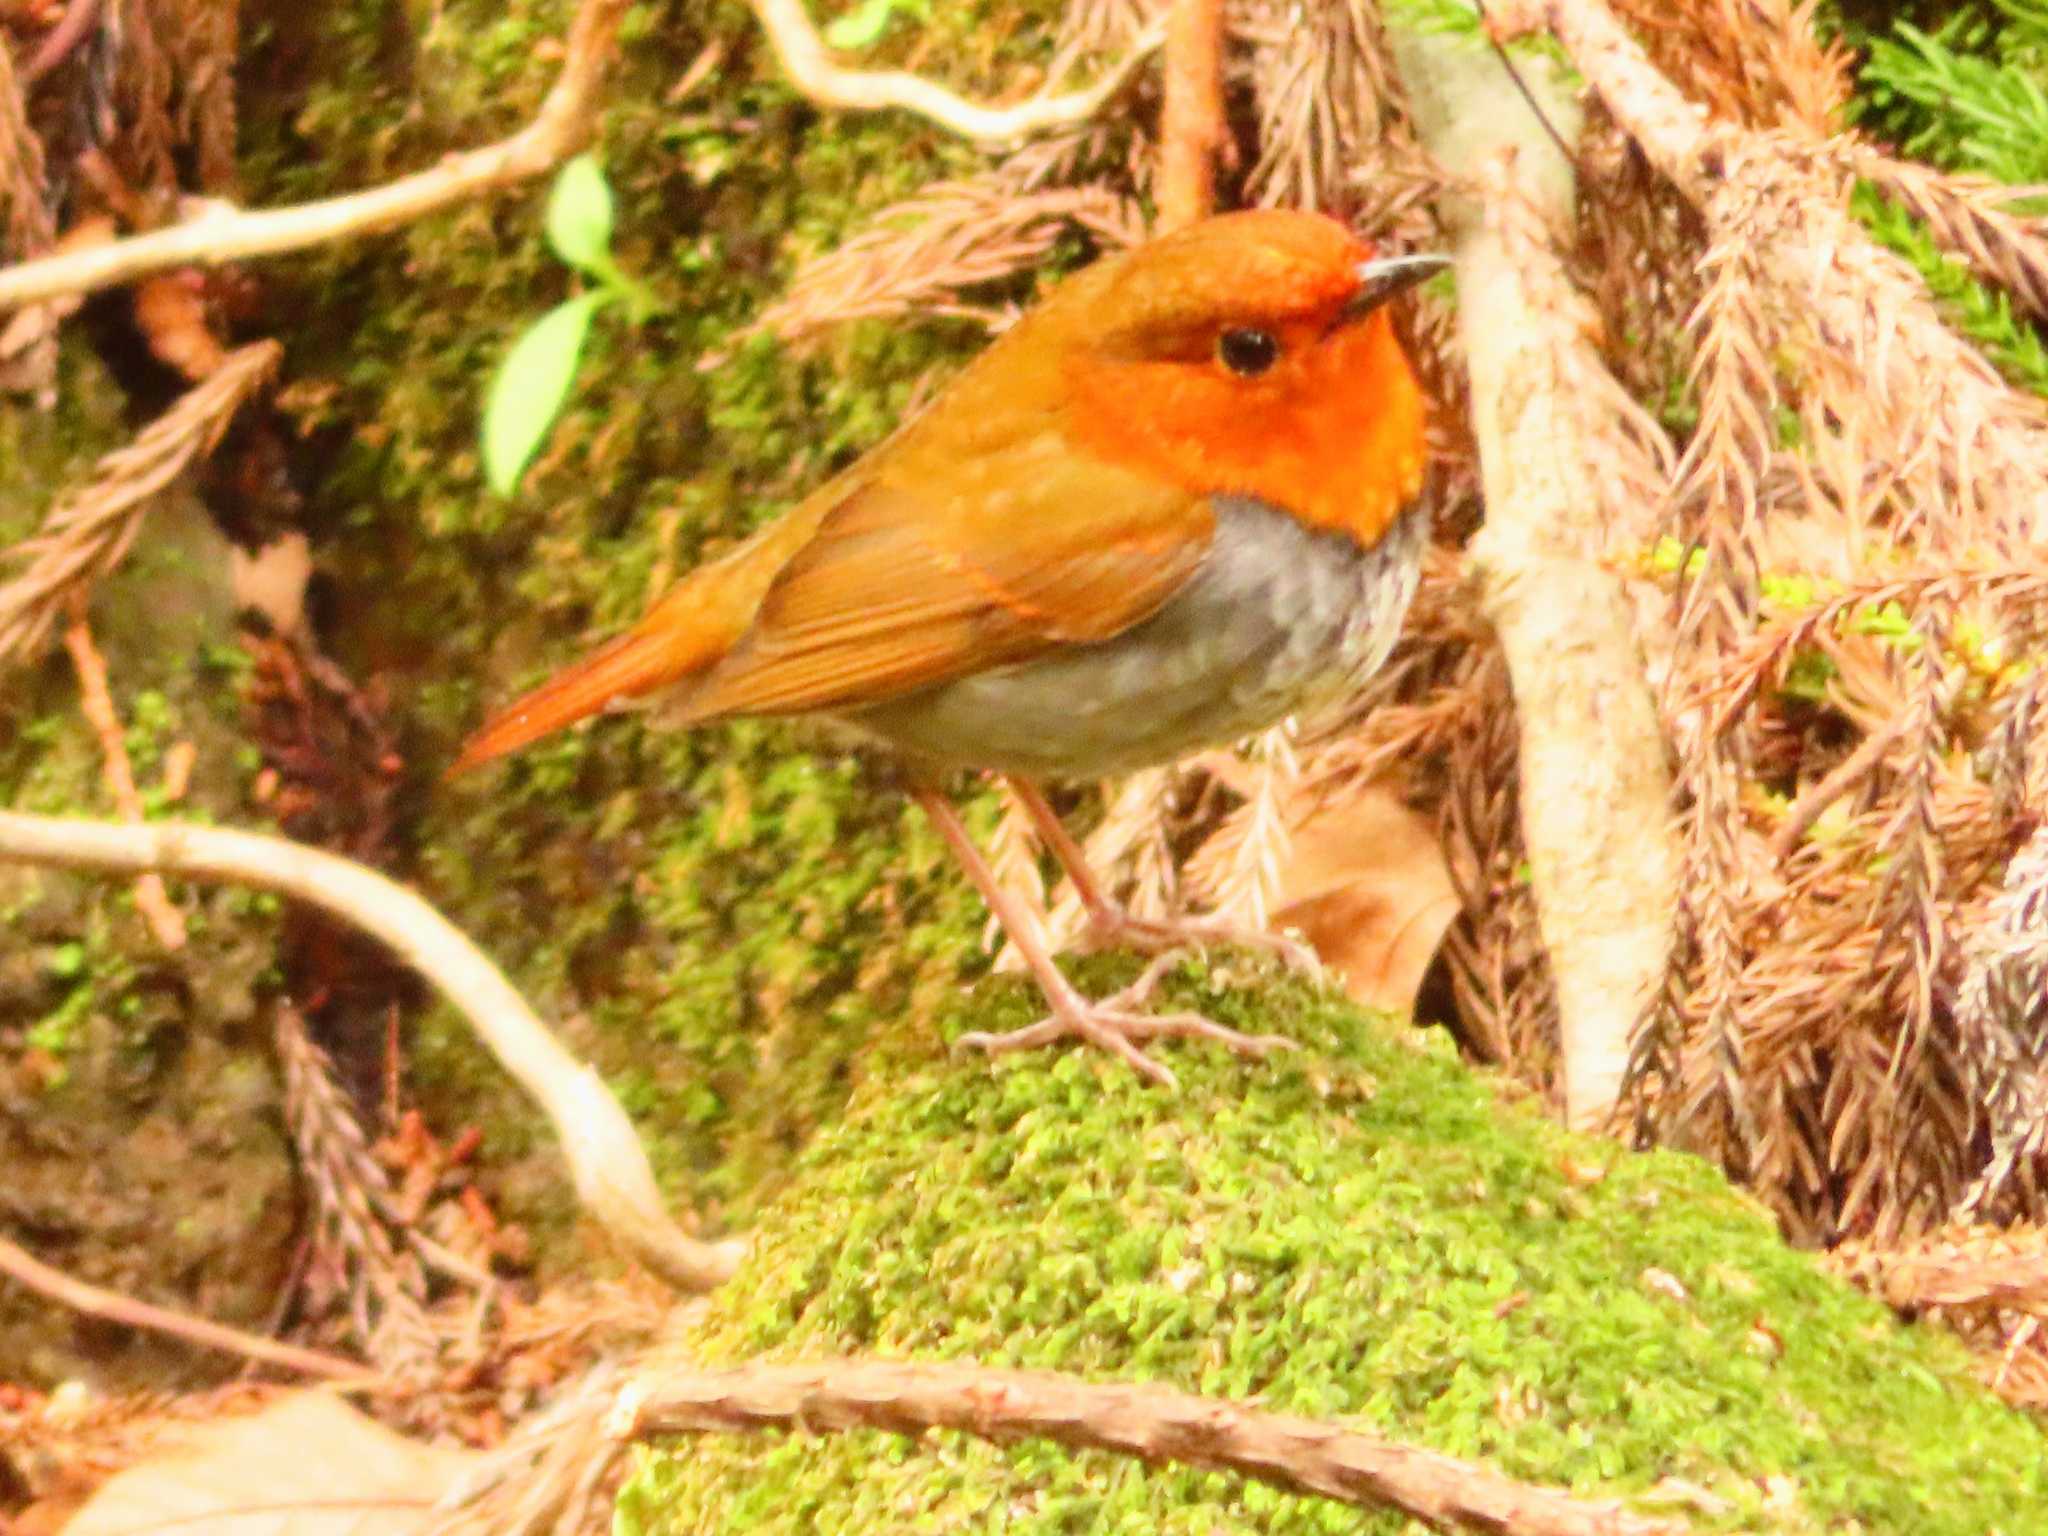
[(1111, 924), (1115, 1022)]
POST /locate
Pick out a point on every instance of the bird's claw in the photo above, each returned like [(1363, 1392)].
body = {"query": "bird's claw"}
[(1117, 928), (1117, 1023)]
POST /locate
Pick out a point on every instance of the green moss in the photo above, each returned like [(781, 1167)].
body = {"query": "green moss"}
[(1355, 1230)]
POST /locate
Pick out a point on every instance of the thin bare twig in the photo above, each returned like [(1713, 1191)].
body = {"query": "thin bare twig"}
[(222, 233), (810, 68), (25, 1270), (79, 18), (27, 225), (604, 1154), (1814, 801), (96, 700)]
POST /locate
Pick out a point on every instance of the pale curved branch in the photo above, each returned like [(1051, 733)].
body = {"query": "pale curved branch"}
[(543, 1478), (809, 65), (224, 233), (610, 1169), (1553, 429)]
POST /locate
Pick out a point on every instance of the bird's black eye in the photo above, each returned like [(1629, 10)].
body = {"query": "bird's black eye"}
[(1247, 351)]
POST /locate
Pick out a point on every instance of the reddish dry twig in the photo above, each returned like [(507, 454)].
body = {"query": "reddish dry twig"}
[(25, 1270), (96, 700), (79, 18), (1155, 1424), (1191, 125)]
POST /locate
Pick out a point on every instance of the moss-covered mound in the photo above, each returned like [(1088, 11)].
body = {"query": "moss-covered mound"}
[(1357, 1229)]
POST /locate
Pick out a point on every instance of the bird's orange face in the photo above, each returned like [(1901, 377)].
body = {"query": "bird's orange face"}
[(1249, 356)]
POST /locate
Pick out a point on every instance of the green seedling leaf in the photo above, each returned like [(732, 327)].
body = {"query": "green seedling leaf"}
[(531, 385), (579, 221), (863, 26)]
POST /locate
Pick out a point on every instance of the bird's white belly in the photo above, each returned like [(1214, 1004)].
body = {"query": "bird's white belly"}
[(1278, 619)]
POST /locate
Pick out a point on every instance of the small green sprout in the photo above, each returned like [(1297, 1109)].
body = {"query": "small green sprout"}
[(527, 394), (863, 26)]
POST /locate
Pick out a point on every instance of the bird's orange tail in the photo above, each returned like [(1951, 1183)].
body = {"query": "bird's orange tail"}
[(635, 663)]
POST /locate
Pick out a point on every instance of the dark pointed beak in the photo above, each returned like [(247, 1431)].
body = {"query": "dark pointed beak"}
[(1385, 277)]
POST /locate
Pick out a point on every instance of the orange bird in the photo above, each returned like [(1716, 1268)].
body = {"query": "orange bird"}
[(1171, 506)]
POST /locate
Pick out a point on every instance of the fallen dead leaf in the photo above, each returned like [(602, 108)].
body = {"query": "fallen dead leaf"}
[(309, 1465), (1365, 883)]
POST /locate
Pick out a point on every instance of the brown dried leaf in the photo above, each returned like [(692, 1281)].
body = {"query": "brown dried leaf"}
[(1368, 887), (307, 1466), (170, 311)]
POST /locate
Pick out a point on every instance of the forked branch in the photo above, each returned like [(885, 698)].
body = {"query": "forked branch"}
[(223, 233)]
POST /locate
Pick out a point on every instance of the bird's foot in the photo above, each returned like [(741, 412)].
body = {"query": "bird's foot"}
[(1113, 927), (1118, 1023)]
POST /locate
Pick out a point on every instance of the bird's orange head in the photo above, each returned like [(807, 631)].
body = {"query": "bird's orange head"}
[(1254, 354)]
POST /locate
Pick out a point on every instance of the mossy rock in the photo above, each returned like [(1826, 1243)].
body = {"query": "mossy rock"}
[(1357, 1230)]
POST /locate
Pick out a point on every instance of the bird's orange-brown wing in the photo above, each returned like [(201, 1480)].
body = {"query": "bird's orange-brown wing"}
[(1032, 547), (696, 622), (873, 589)]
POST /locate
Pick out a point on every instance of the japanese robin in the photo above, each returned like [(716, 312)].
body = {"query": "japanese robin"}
[(1171, 506)]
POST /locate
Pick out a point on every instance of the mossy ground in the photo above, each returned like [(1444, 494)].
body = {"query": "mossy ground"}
[(1359, 1229)]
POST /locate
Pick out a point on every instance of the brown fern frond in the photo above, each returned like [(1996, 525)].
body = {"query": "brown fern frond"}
[(1970, 216), (1756, 62), (918, 256), (1013, 857), (1328, 101), (1925, 1124), (1105, 26), (145, 82), (1129, 852), (1640, 249), (204, 39), (89, 530), (2002, 1012), (24, 182), (1238, 869), (386, 1289)]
